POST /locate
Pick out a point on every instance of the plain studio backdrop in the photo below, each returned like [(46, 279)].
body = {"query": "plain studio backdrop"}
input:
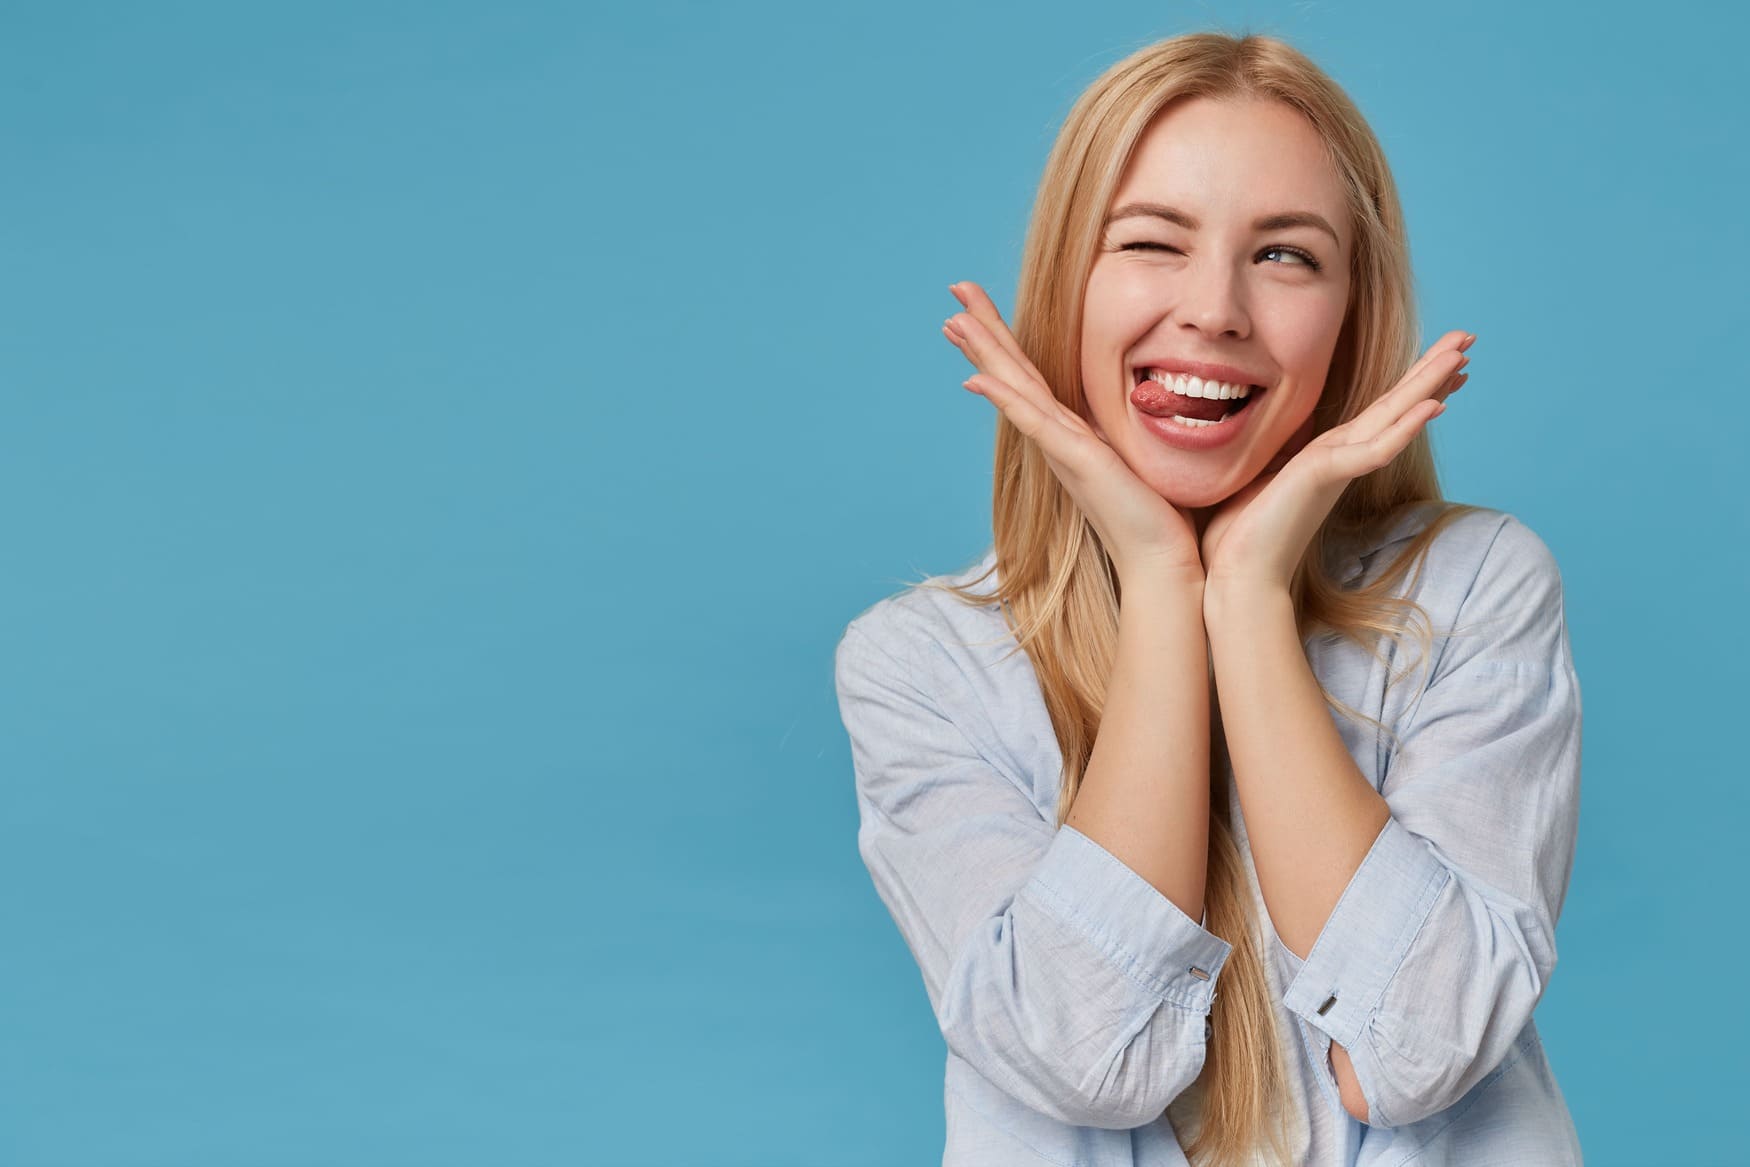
[(442, 444)]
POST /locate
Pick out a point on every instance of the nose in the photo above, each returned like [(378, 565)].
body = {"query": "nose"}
[(1212, 300)]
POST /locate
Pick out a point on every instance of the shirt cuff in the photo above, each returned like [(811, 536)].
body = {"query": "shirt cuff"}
[(1367, 935), (1139, 929)]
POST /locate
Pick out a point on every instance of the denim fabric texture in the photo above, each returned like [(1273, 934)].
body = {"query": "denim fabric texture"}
[(1073, 997)]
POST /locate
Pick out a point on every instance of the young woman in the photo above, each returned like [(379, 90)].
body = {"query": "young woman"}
[(1193, 868)]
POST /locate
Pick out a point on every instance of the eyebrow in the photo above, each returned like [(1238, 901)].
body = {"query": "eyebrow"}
[(1279, 221)]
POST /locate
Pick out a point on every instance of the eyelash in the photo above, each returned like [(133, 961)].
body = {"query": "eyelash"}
[(1310, 261)]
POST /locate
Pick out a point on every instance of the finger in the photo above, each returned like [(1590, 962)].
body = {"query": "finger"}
[(978, 346), (1456, 340), (984, 350), (1037, 396), (1413, 384), (995, 350), (1390, 443), (1419, 385), (981, 308), (1070, 447), (1363, 456), (1047, 429), (954, 328)]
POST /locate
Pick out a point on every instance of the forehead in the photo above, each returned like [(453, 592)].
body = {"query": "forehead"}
[(1233, 160)]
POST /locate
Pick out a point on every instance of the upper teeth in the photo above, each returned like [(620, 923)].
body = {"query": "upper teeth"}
[(1190, 386)]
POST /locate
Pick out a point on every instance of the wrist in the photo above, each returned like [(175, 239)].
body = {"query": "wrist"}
[(1245, 599), (1161, 596), (1174, 579)]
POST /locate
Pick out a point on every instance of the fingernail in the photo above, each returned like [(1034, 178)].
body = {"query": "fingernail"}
[(954, 290), (1470, 339)]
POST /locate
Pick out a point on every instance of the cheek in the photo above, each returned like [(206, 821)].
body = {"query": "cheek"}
[(1102, 339), (1135, 293), (1293, 423), (1098, 314), (1307, 335), (1115, 314), (1302, 433), (1122, 295)]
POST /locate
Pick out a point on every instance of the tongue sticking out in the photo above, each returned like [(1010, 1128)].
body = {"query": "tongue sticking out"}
[(1154, 398)]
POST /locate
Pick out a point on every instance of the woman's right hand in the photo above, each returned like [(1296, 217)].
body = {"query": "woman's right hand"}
[(1143, 533)]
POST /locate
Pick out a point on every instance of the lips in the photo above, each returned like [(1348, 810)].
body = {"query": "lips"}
[(1203, 370)]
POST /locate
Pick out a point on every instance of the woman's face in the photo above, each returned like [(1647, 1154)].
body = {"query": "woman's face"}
[(1187, 274)]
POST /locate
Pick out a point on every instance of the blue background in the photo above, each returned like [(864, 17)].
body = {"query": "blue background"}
[(442, 444)]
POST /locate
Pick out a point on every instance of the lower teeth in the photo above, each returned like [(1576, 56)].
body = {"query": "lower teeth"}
[(1193, 422)]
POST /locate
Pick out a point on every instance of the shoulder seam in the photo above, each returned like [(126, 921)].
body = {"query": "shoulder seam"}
[(1470, 588)]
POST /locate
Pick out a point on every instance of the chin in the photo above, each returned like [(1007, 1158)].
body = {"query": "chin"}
[(1198, 500), (1194, 494)]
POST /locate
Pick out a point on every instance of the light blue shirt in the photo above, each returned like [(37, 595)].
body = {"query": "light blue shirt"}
[(1073, 996)]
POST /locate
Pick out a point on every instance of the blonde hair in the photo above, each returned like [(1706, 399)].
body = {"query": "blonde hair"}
[(1057, 589)]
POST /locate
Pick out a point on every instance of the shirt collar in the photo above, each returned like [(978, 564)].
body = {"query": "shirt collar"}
[(1351, 557)]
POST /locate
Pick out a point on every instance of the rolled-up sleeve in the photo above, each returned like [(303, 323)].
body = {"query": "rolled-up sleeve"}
[(1440, 947), (1054, 970)]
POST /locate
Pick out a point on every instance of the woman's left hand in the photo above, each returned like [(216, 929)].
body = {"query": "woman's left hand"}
[(1256, 538)]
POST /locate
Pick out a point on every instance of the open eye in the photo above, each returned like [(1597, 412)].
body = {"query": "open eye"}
[(1304, 257)]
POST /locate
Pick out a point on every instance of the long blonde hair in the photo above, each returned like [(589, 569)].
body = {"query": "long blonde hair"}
[(1056, 585)]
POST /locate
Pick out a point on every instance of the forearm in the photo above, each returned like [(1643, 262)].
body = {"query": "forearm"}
[(1311, 815), (1145, 794)]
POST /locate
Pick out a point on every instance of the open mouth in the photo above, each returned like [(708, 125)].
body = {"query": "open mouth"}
[(1159, 399)]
